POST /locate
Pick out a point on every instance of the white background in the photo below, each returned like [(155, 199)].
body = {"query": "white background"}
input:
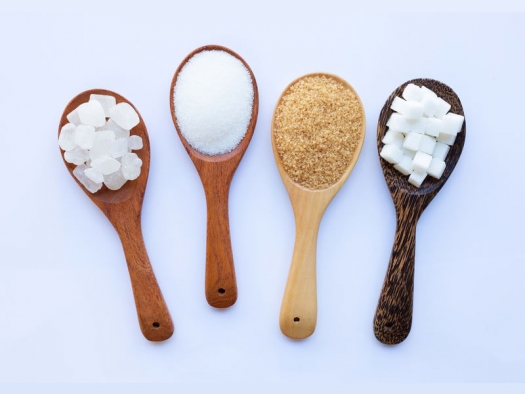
[(66, 308)]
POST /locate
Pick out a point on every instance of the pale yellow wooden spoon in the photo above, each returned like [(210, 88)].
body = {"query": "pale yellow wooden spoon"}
[(299, 307)]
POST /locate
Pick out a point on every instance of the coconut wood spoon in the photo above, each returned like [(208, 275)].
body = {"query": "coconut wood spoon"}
[(298, 317), (216, 173), (123, 209), (393, 318)]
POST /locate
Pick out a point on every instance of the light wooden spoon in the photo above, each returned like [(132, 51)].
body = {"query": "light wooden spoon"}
[(393, 318), (298, 316), (216, 173), (123, 209)]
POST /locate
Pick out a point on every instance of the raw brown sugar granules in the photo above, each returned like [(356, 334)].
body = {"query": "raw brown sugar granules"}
[(317, 129)]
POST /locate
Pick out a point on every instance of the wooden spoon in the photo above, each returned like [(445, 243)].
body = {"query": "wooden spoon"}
[(298, 316), (123, 209), (216, 173), (393, 317)]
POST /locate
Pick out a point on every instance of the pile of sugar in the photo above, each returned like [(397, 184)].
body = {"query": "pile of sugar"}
[(213, 99), (98, 141), (420, 134), (317, 129)]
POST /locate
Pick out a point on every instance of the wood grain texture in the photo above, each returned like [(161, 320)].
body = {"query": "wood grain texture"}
[(298, 317), (393, 318), (123, 209), (216, 173)]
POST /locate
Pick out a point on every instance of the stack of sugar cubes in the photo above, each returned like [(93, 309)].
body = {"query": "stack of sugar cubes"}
[(97, 139), (420, 134)]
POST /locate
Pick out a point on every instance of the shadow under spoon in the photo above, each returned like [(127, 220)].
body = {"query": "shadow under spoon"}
[(216, 174), (123, 209), (393, 318)]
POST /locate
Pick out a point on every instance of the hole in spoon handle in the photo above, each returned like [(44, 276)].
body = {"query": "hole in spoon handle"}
[(393, 318), (221, 285)]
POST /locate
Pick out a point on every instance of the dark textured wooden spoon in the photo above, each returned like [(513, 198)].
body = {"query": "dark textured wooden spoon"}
[(393, 318), (123, 209), (216, 173)]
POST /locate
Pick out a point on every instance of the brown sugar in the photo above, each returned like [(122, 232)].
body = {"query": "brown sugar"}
[(317, 130)]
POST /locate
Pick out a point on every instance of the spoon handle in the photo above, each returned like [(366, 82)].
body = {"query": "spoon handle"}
[(220, 284), (299, 308), (393, 318), (154, 318)]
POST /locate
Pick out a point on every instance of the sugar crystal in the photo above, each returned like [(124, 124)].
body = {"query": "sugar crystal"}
[(91, 113), (124, 115), (66, 140), (91, 186), (84, 136), (106, 101)]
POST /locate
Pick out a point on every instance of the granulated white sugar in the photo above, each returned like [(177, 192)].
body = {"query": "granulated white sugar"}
[(213, 99)]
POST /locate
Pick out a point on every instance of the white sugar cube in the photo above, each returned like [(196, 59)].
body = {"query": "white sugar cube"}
[(433, 127), (84, 180), (72, 117), (404, 166), (94, 175), (452, 124), (418, 125), (421, 162), (412, 141), (115, 180), (441, 151), (417, 178), (119, 147), (135, 142), (391, 153), (398, 122), (408, 152), (442, 109), (84, 136), (413, 110), (412, 92), (105, 164), (91, 113), (446, 138), (427, 144), (101, 147), (436, 168), (393, 138), (398, 105), (66, 139), (119, 131), (427, 92), (430, 104), (125, 116), (131, 165), (76, 156), (106, 101)]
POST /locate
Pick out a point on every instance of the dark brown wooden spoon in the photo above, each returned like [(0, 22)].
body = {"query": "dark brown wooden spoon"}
[(123, 209), (393, 318), (216, 173)]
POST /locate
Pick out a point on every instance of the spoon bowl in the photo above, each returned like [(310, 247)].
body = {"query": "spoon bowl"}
[(216, 174), (123, 209), (298, 317), (393, 318)]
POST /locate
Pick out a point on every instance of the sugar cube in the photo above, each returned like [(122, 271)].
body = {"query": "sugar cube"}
[(452, 124), (418, 125), (412, 92), (393, 138), (433, 127), (417, 178), (442, 108), (430, 104), (404, 166), (436, 168), (421, 162), (412, 141), (441, 151), (398, 122), (446, 138), (391, 153), (427, 144)]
